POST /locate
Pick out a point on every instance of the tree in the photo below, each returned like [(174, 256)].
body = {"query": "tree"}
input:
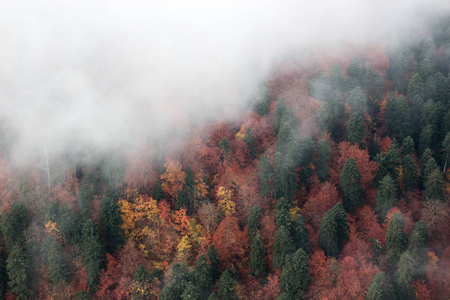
[(257, 257), (416, 86), (410, 176), (226, 286), (323, 157), (294, 279), (55, 261), (352, 191), (93, 251), (418, 248), (301, 236), (408, 146), (214, 260), (434, 186), (111, 221), (229, 241), (396, 239), (18, 267), (333, 230), (262, 101), (282, 247), (172, 179), (177, 280), (86, 193), (386, 196), (265, 174), (284, 180), (141, 284), (254, 220), (380, 288), (357, 101), (14, 223), (446, 148), (397, 117), (203, 277), (426, 137), (403, 277), (355, 129)]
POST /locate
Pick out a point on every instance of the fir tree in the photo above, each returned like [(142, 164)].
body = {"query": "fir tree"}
[(396, 239), (352, 190), (334, 230), (380, 288), (282, 247), (257, 257), (294, 279)]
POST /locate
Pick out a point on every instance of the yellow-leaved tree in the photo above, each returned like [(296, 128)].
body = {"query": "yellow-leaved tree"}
[(224, 196)]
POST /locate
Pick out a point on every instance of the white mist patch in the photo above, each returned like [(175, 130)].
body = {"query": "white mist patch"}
[(101, 73)]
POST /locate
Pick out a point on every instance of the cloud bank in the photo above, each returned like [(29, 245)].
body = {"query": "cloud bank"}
[(102, 73)]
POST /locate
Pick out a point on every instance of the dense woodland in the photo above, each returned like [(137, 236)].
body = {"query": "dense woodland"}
[(334, 185)]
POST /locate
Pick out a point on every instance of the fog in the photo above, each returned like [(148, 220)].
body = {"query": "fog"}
[(105, 73)]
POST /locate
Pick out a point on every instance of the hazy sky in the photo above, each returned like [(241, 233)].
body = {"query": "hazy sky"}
[(99, 72)]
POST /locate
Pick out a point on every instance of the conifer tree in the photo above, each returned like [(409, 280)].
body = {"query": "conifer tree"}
[(203, 277), (178, 279), (333, 230), (380, 288), (410, 176), (352, 191), (301, 236), (254, 220), (282, 246), (323, 157), (19, 273), (434, 186), (93, 251), (111, 220), (355, 129), (294, 279), (226, 286), (55, 261), (408, 146), (386, 196), (214, 260), (257, 257), (396, 239), (141, 284), (265, 174)]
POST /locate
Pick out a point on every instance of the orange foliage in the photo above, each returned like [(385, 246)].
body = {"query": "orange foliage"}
[(317, 205), (172, 179)]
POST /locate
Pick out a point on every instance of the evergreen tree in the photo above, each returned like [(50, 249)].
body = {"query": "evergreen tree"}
[(214, 260), (426, 138), (250, 141), (434, 186), (307, 151), (398, 118), (351, 188), (284, 218), (357, 101), (403, 277), (14, 223), (323, 157), (282, 247), (18, 267), (254, 220), (333, 230), (416, 86), (418, 248), (55, 261), (86, 193), (111, 220), (284, 179), (355, 129), (408, 146), (257, 257), (446, 148), (301, 237), (386, 196), (158, 193), (178, 278), (265, 174), (66, 222), (410, 176), (188, 192), (141, 288), (396, 239), (226, 286), (225, 147), (262, 101), (203, 277), (380, 288), (294, 279), (191, 292), (93, 251)]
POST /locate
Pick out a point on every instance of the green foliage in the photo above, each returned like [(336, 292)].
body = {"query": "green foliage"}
[(396, 239), (307, 151), (355, 129), (14, 223), (357, 101), (397, 117), (435, 186), (403, 277), (250, 141), (284, 179), (254, 220), (265, 174), (111, 220), (214, 260), (410, 176), (294, 279), (408, 146), (416, 87), (93, 251), (323, 157), (386, 196), (141, 289), (18, 267), (418, 248), (389, 162), (334, 230), (282, 247), (55, 261), (225, 147), (301, 237), (158, 193), (86, 193), (177, 280), (380, 288), (203, 277), (284, 218), (351, 188), (262, 101), (226, 286), (257, 257), (426, 137)]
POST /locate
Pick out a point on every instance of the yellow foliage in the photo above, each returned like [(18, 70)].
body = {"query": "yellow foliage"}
[(294, 212), (240, 135), (52, 229), (202, 188), (224, 195), (183, 248), (400, 175), (173, 178)]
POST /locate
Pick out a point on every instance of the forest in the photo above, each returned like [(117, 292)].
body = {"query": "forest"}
[(334, 184)]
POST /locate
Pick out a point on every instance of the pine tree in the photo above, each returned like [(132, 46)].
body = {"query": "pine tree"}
[(408, 146), (410, 176), (203, 277), (250, 141), (257, 257), (323, 157), (301, 236), (403, 277), (386, 196), (352, 191), (55, 261), (226, 286), (19, 273), (177, 281), (357, 101), (254, 220), (380, 288), (396, 239), (294, 279), (333, 230), (355, 129), (14, 223), (214, 260), (111, 220), (282, 246), (93, 251), (418, 248), (434, 186)]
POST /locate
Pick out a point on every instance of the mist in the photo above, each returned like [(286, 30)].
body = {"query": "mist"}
[(106, 73)]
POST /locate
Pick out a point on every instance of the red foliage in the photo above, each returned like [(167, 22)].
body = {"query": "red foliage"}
[(230, 241), (421, 290), (321, 276), (140, 173), (437, 217), (317, 205), (367, 225)]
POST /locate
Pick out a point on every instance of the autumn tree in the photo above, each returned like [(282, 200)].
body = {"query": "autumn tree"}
[(333, 230), (229, 241), (141, 284), (265, 174), (172, 179), (352, 191)]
